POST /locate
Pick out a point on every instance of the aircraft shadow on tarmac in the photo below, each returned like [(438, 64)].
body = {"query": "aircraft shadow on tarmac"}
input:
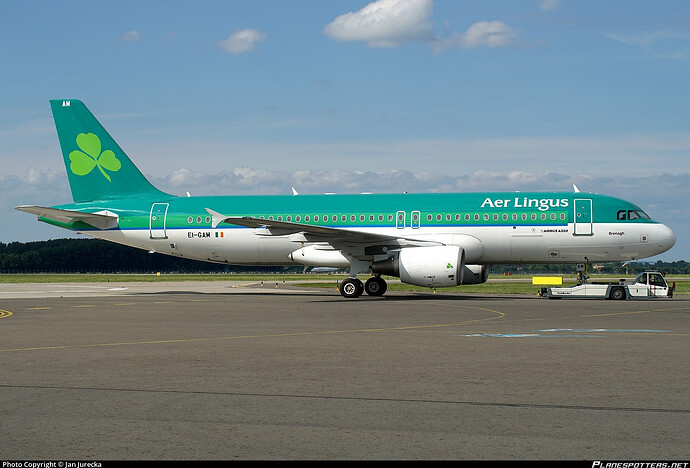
[(323, 296)]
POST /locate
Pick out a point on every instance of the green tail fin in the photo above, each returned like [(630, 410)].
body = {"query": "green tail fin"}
[(97, 168)]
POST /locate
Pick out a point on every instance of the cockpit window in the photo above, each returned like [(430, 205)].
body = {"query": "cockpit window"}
[(635, 214), (622, 215)]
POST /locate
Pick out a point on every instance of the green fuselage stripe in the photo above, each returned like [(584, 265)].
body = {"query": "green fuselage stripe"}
[(367, 211)]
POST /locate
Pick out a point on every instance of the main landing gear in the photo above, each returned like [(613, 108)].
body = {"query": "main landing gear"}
[(352, 287)]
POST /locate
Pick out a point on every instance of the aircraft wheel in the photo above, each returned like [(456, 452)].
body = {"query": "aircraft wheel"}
[(375, 286), (351, 288)]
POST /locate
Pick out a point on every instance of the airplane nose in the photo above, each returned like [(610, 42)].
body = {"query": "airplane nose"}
[(666, 237)]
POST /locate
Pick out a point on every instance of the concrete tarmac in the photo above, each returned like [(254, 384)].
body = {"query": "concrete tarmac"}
[(240, 371)]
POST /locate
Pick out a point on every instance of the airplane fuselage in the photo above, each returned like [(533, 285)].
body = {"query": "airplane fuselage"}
[(492, 228)]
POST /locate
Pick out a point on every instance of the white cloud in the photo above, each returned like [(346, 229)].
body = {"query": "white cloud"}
[(480, 34), (490, 34), (385, 23), (130, 36), (648, 38), (242, 41), (549, 4), (390, 23)]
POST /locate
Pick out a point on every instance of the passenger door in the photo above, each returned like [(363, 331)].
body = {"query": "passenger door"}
[(157, 218), (583, 217)]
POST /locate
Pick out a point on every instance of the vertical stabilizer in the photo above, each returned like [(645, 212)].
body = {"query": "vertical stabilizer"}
[(97, 168)]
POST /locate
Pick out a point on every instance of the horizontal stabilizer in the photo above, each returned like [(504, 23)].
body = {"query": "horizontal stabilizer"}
[(100, 220)]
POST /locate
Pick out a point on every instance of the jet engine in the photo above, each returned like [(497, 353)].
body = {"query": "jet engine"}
[(475, 274), (433, 267)]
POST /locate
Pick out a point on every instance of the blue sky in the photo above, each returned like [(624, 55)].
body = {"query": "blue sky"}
[(229, 97)]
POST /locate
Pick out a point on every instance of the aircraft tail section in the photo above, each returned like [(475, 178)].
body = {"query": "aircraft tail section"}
[(97, 168)]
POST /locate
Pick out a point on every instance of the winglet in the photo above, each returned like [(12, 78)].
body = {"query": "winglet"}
[(575, 189)]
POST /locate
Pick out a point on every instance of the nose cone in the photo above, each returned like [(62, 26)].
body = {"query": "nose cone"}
[(665, 238)]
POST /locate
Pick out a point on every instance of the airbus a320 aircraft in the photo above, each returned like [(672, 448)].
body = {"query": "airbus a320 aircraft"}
[(433, 240)]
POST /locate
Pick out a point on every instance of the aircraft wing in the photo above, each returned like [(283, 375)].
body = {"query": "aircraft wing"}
[(100, 220), (337, 237)]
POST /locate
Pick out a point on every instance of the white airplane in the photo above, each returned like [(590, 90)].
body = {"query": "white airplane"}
[(433, 240)]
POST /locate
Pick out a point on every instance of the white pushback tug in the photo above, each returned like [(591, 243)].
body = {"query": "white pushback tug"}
[(648, 284)]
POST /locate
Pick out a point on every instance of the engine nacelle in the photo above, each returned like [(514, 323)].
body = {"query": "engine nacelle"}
[(314, 255), (475, 274), (433, 267)]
